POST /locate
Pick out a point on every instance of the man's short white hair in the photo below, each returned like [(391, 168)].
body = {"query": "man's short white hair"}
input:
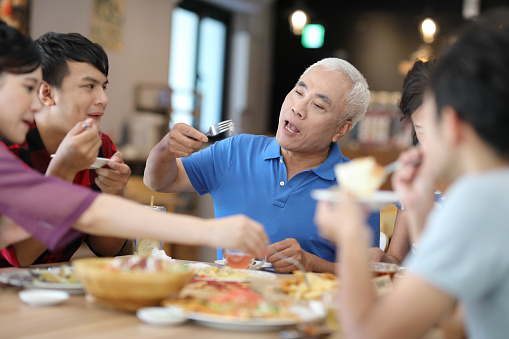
[(356, 100)]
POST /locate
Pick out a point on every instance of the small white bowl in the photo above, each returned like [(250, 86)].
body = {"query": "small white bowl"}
[(161, 316), (43, 297)]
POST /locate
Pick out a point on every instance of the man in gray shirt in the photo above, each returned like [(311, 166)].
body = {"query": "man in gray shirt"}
[(462, 253)]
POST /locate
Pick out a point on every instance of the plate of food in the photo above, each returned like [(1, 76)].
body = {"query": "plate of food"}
[(232, 324), (51, 278), (229, 274), (320, 284), (362, 177), (98, 163), (242, 309)]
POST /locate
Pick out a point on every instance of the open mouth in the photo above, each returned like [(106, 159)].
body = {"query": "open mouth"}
[(95, 116), (291, 128)]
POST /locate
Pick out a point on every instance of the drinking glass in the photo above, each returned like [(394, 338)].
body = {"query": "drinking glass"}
[(240, 260), (144, 246)]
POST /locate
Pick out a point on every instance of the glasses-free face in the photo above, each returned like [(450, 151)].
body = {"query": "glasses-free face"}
[(82, 95), (438, 150), (18, 103), (311, 113)]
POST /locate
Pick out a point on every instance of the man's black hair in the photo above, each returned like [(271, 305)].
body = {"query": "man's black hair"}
[(58, 48), (472, 76)]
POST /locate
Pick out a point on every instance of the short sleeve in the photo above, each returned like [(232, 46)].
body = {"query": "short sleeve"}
[(207, 168), (462, 250)]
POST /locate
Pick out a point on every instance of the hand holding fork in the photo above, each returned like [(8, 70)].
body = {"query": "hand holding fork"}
[(183, 140), (221, 127)]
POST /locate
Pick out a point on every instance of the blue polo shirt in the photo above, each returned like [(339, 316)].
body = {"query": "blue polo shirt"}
[(246, 174)]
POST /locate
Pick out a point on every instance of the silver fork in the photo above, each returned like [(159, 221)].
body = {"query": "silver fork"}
[(291, 261), (220, 127)]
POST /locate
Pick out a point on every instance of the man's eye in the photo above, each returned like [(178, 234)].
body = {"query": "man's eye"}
[(318, 106), (298, 93)]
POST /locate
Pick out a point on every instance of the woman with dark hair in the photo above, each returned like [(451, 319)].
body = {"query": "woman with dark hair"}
[(414, 86), (54, 211)]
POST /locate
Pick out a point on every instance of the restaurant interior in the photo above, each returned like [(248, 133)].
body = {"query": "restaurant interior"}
[(201, 62), (204, 61)]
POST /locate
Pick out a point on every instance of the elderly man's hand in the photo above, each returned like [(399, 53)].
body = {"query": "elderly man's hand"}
[(113, 179), (183, 140), (289, 248)]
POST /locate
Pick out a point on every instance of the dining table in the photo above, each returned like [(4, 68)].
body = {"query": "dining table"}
[(81, 317)]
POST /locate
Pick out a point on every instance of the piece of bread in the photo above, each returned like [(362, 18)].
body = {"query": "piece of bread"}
[(361, 176)]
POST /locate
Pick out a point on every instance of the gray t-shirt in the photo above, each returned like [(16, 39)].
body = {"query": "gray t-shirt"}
[(463, 251)]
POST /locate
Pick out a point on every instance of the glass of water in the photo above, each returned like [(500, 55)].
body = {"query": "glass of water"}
[(144, 246)]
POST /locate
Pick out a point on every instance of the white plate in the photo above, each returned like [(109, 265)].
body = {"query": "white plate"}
[(376, 201), (233, 324), (24, 278), (43, 297), (257, 262), (313, 312), (161, 316), (98, 163)]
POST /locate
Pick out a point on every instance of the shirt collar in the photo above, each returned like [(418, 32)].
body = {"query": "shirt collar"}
[(272, 151), (325, 170)]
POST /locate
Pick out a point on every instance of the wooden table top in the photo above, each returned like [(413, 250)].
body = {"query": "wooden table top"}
[(79, 318)]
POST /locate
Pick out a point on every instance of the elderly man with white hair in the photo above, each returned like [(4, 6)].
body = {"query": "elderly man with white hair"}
[(270, 179)]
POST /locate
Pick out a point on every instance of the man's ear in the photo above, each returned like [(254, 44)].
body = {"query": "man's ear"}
[(342, 129), (46, 94), (451, 125)]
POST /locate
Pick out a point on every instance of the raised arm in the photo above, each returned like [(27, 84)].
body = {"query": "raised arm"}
[(362, 313), (238, 231), (76, 152), (164, 171)]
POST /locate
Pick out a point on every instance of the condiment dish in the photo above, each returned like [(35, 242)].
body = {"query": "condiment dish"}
[(37, 297), (161, 316)]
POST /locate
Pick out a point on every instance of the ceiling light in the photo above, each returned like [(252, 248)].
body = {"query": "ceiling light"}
[(428, 29), (298, 20)]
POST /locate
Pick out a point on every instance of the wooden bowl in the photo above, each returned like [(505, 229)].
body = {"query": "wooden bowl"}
[(129, 290)]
